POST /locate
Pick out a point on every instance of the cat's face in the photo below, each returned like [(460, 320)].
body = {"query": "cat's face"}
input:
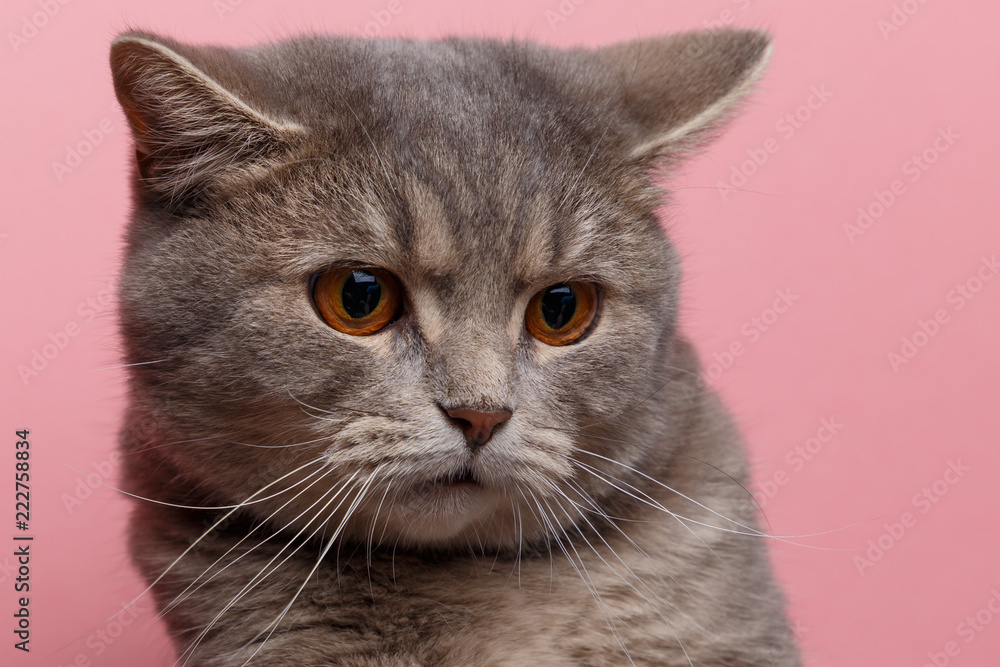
[(498, 196)]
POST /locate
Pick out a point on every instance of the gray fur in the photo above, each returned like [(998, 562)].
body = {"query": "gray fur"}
[(611, 525)]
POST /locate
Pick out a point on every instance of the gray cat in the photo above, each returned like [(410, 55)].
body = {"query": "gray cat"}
[(406, 383)]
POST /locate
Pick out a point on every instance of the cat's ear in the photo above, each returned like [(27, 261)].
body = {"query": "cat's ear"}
[(191, 133), (680, 89)]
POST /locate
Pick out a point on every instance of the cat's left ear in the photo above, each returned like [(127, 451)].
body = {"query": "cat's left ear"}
[(193, 134), (680, 89)]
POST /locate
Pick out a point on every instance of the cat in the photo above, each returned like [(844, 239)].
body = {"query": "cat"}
[(406, 385)]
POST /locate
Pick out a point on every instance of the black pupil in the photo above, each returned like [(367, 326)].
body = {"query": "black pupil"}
[(361, 294), (558, 306)]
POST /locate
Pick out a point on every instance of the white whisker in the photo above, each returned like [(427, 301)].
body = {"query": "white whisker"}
[(192, 507), (260, 576), (330, 542), (205, 534), (178, 599), (584, 574)]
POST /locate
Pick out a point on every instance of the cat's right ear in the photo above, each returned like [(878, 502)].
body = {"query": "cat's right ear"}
[(192, 134), (679, 90)]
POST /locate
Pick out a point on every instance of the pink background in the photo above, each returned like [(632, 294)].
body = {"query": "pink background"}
[(895, 581)]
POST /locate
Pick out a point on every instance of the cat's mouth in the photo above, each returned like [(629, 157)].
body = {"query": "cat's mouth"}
[(464, 476), (435, 510), (442, 496)]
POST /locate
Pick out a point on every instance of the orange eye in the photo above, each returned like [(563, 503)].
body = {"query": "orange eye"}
[(357, 301), (561, 314)]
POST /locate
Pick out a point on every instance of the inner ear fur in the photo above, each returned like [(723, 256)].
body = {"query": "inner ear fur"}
[(680, 89), (189, 130)]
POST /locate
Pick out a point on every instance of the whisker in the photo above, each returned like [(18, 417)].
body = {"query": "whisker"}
[(580, 570), (333, 538), (204, 535), (786, 539), (652, 502), (674, 453), (137, 363), (325, 438), (261, 576), (186, 507), (628, 568), (671, 489), (585, 577), (613, 522), (178, 599), (520, 546), (367, 413), (371, 537), (747, 491), (140, 450)]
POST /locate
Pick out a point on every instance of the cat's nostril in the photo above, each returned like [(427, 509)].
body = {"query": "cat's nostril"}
[(477, 425)]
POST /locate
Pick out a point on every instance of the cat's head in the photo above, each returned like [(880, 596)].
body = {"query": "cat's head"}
[(422, 284)]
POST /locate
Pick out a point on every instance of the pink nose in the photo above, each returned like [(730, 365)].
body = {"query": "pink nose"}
[(477, 425)]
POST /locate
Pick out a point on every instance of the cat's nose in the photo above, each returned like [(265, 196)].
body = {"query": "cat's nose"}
[(478, 425)]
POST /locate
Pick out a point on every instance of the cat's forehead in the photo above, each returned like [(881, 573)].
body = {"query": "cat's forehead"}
[(496, 238), (506, 215), (456, 234)]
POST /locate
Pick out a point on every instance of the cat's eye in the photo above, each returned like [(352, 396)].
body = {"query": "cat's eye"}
[(561, 314), (357, 301)]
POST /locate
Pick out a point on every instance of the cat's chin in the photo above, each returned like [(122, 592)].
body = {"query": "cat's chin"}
[(437, 513)]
